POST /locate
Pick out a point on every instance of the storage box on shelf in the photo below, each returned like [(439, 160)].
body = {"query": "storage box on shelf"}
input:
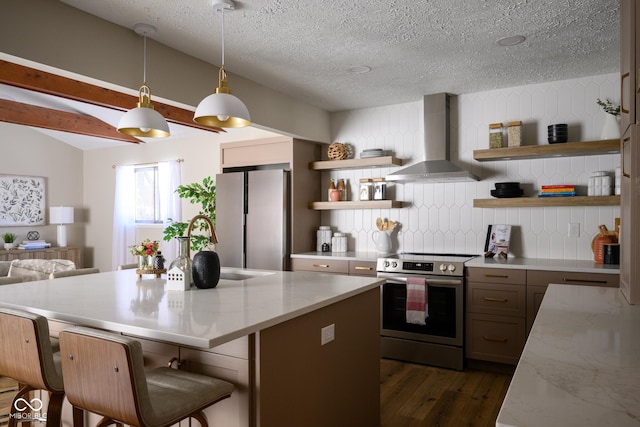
[(586, 148)]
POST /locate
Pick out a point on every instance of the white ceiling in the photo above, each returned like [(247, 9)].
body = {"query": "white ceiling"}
[(304, 48)]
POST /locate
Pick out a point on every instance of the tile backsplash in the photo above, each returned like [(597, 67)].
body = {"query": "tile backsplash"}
[(440, 217)]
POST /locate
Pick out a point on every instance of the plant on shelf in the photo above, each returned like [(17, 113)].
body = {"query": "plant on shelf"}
[(205, 194), (609, 107), (9, 239)]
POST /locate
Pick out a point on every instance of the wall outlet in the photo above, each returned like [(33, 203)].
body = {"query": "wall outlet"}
[(327, 334), (574, 229)]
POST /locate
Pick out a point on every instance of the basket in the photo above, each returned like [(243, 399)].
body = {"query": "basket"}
[(337, 151)]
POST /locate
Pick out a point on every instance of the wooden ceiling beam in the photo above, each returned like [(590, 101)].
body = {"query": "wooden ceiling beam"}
[(41, 81), (46, 118)]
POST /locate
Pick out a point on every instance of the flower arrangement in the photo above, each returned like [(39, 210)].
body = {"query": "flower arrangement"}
[(609, 108), (146, 248)]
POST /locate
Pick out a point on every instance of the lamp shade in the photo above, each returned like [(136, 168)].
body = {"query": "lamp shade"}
[(61, 215), (222, 110), (145, 122)]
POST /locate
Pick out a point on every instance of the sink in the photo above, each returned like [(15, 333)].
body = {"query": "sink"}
[(241, 275)]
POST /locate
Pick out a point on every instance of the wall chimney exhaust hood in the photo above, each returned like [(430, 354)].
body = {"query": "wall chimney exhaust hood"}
[(437, 167)]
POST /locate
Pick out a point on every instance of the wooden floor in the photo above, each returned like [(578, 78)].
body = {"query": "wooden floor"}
[(415, 395)]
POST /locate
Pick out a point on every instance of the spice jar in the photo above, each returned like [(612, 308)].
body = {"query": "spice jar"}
[(598, 242), (342, 188), (495, 135), (366, 189), (379, 189), (514, 134)]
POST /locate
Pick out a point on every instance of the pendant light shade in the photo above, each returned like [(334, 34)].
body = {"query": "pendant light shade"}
[(144, 120), (222, 109)]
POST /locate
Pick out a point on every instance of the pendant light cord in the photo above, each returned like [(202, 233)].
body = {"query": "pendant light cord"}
[(144, 60), (223, 36)]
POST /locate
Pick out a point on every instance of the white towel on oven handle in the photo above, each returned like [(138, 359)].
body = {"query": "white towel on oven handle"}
[(417, 306)]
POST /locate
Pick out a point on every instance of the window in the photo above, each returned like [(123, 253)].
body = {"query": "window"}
[(147, 199)]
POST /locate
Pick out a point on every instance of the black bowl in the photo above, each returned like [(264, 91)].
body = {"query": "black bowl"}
[(507, 186), (558, 139)]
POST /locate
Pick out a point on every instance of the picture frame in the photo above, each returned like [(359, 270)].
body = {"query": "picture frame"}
[(22, 200), (497, 242)]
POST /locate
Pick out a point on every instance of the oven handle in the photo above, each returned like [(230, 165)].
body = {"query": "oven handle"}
[(394, 278)]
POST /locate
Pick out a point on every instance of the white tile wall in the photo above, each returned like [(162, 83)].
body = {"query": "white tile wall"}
[(441, 217)]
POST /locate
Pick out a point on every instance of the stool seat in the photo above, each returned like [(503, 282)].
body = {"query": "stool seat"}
[(104, 374), (27, 356)]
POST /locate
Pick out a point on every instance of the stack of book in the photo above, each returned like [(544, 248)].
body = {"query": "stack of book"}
[(34, 244), (558, 190)]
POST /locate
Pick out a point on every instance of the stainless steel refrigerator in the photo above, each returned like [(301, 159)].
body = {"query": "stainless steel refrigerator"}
[(252, 219)]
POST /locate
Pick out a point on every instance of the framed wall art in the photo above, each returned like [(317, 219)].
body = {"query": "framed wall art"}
[(22, 200)]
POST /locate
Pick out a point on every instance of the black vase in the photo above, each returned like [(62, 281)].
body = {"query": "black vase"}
[(206, 269)]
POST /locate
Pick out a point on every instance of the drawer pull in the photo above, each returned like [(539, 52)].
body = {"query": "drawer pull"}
[(564, 279), (321, 265), (486, 338), (497, 276), (357, 267), (492, 299)]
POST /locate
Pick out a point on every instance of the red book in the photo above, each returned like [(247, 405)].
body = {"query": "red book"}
[(545, 187)]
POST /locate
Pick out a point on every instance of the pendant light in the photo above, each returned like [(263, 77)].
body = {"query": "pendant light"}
[(222, 109), (144, 120)]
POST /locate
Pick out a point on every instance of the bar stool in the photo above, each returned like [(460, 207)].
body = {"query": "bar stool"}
[(104, 374), (27, 356)]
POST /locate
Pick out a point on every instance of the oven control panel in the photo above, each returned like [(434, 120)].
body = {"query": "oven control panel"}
[(394, 265)]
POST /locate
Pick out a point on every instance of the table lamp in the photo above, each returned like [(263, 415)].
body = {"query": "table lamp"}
[(61, 215)]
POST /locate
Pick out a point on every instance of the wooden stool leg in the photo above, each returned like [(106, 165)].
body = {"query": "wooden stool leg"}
[(202, 419), (54, 409), (78, 417)]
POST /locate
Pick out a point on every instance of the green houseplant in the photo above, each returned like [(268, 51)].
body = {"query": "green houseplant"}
[(9, 239), (205, 194)]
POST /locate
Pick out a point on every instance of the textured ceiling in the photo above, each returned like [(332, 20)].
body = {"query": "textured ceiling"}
[(304, 48)]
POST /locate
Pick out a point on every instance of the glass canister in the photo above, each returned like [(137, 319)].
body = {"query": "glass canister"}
[(323, 237), (366, 189), (183, 262), (495, 135), (514, 134), (339, 242)]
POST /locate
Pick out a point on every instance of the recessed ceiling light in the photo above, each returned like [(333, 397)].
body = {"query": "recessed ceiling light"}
[(511, 41), (359, 69)]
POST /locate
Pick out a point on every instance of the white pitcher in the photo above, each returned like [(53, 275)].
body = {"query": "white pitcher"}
[(382, 239)]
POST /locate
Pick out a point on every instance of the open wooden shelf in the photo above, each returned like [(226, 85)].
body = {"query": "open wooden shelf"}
[(533, 202), (371, 162), (365, 204), (586, 148)]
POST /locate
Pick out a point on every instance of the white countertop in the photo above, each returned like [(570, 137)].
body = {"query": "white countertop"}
[(347, 256), (578, 266), (201, 318), (581, 363)]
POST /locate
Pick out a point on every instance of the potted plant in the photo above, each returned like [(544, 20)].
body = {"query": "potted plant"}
[(9, 239), (611, 128), (205, 194)]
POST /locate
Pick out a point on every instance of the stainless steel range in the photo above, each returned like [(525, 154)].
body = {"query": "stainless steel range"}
[(438, 339)]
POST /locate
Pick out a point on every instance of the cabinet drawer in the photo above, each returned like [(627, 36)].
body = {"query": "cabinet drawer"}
[(535, 294), (320, 265), (497, 275), (543, 278), (494, 298), (494, 338), (362, 268)]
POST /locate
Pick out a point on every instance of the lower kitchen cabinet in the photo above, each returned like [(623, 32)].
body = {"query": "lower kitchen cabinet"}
[(502, 303), (320, 265), (495, 314), (336, 266), (495, 338)]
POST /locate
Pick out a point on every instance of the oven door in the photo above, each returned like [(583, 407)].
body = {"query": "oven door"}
[(445, 299)]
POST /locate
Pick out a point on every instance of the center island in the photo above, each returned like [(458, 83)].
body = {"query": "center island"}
[(303, 349)]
